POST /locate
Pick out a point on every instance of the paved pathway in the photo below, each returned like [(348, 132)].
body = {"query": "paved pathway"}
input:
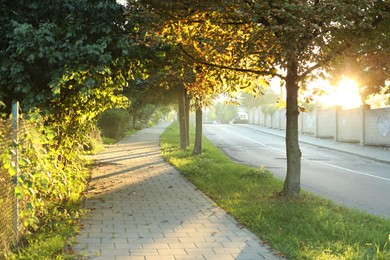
[(142, 208)]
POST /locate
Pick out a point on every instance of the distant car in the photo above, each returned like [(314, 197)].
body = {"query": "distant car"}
[(240, 121)]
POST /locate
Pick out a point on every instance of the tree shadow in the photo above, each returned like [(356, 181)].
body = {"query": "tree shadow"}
[(144, 207)]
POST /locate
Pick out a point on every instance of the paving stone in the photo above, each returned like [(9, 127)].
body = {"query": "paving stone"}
[(142, 208), (105, 257), (208, 245), (114, 252), (160, 257), (219, 257), (200, 251), (191, 257), (129, 258), (144, 252), (171, 251)]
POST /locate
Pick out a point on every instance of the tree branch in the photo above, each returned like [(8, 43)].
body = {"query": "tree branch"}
[(214, 65), (322, 63)]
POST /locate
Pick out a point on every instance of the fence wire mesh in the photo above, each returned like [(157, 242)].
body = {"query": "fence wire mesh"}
[(10, 229)]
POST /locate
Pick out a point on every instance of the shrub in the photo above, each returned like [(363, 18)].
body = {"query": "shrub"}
[(113, 123), (51, 178)]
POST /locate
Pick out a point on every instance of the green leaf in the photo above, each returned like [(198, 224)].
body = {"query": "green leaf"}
[(50, 134), (23, 162), (12, 171), (18, 191)]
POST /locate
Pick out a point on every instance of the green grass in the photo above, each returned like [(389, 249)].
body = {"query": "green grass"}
[(52, 241), (130, 132), (307, 227), (107, 140)]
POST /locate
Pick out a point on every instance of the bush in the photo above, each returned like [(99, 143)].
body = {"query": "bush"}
[(51, 177), (113, 123)]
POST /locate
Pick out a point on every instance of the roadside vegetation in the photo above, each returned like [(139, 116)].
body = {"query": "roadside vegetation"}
[(51, 180), (50, 194), (304, 227)]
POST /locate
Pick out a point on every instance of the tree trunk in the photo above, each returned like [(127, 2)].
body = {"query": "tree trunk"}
[(149, 116), (187, 100), (292, 183), (134, 123), (182, 118), (198, 131)]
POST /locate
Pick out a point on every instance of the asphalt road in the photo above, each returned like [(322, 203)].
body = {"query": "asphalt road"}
[(346, 179)]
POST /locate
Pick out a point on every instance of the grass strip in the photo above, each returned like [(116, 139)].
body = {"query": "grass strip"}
[(307, 227)]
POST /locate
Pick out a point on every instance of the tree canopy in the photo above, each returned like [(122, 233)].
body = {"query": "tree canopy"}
[(292, 40), (73, 58), (70, 59)]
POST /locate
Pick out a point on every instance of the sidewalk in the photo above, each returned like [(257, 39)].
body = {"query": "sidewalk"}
[(142, 208), (373, 153)]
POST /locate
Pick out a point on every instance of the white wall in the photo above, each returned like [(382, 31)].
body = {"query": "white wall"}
[(360, 125)]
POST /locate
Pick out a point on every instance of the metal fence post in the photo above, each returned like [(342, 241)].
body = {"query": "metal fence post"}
[(15, 129)]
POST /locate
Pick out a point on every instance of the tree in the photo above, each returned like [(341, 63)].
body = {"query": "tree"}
[(368, 59), (288, 39), (70, 59), (307, 35), (225, 112), (268, 97), (198, 81), (147, 96), (199, 129)]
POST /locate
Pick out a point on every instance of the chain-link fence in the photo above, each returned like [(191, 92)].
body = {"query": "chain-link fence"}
[(10, 229), (8, 212)]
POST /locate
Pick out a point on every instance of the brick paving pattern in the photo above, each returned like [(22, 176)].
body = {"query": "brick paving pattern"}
[(142, 208)]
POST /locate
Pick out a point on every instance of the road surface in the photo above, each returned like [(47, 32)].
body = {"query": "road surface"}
[(346, 179)]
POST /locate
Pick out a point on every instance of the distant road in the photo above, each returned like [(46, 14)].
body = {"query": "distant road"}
[(344, 178)]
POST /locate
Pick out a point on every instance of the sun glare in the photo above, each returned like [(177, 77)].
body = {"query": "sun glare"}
[(345, 94)]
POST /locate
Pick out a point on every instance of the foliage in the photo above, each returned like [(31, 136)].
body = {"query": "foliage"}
[(107, 140), (269, 109), (379, 100), (48, 179), (250, 101), (50, 242), (257, 36), (51, 49), (287, 39), (305, 227), (224, 112), (149, 100), (70, 59), (368, 59), (114, 123), (201, 81), (95, 142)]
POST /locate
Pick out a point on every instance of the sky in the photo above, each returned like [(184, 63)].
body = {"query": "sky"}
[(123, 2)]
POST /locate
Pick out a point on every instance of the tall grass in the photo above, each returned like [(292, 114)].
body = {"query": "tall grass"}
[(307, 227)]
